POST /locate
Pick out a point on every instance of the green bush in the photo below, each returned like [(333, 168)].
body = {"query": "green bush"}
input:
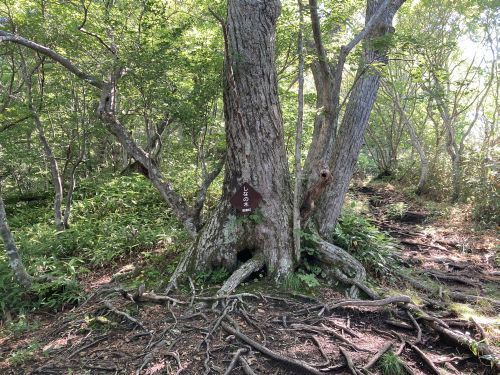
[(109, 220), (390, 364), (373, 248)]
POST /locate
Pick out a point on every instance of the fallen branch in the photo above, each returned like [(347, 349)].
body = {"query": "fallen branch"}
[(304, 367)]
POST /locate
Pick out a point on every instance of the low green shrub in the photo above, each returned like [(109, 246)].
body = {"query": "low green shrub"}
[(390, 364), (373, 248), (110, 219)]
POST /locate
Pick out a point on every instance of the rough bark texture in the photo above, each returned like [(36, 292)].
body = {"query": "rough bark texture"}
[(255, 150), (350, 137), (298, 138), (15, 262)]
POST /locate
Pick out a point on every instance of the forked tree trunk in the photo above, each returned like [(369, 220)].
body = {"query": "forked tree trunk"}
[(255, 151), (351, 133), (15, 262)]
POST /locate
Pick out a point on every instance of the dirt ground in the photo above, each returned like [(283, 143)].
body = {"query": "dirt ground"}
[(193, 333)]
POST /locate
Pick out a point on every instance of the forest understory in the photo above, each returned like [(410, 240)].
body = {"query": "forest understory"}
[(437, 314)]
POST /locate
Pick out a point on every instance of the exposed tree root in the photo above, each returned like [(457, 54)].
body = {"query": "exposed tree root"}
[(344, 265), (478, 348), (377, 303), (180, 269), (304, 367), (124, 315), (455, 296), (377, 356), (426, 359), (240, 275), (246, 367), (350, 363)]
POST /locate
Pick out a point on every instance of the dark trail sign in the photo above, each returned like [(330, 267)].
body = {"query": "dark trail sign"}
[(246, 199)]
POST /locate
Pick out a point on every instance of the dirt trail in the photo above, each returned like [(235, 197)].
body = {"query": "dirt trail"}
[(115, 333), (447, 250)]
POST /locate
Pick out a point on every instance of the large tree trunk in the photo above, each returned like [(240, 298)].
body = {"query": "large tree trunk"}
[(15, 262), (351, 134), (255, 151)]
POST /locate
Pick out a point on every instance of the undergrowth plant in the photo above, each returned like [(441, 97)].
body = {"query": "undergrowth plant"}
[(111, 219), (390, 364), (373, 248)]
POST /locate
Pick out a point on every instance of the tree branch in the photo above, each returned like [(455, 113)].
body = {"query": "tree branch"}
[(8, 37)]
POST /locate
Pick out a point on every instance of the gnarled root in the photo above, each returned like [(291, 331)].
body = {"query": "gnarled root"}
[(342, 264), (240, 275), (180, 270)]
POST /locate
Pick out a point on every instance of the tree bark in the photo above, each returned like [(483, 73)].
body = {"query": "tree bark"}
[(350, 137), (15, 262), (255, 150), (298, 137)]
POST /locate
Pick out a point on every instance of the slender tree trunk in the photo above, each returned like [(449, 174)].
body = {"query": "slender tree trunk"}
[(424, 163), (351, 134), (15, 262), (456, 177), (54, 173), (417, 145), (255, 151)]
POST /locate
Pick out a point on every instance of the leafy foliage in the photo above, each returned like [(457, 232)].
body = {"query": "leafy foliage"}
[(390, 364), (374, 249), (111, 220)]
